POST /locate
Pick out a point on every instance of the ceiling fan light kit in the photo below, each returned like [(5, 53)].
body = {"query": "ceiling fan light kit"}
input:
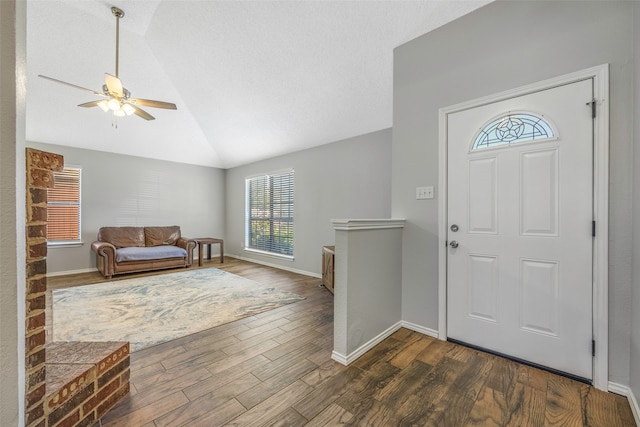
[(117, 99)]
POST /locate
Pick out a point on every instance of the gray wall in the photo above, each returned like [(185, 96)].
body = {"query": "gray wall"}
[(120, 190), (635, 321), (502, 46), (345, 179), (12, 249)]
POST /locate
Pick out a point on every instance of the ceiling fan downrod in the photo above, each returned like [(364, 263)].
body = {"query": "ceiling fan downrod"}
[(118, 13)]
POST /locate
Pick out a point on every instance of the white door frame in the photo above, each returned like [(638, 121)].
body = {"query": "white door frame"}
[(600, 76)]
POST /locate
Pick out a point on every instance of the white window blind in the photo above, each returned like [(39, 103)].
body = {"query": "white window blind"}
[(63, 206), (269, 213)]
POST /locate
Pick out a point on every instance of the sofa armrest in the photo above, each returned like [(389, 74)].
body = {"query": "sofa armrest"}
[(189, 245), (105, 257)]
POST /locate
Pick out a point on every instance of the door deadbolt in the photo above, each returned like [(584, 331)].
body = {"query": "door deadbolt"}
[(454, 228)]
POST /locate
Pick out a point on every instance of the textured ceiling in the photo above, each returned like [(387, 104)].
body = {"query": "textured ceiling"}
[(251, 79)]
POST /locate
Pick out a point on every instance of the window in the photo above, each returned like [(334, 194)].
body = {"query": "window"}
[(63, 207), (511, 128), (269, 214)]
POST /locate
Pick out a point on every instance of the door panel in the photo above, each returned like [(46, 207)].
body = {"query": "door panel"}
[(520, 280)]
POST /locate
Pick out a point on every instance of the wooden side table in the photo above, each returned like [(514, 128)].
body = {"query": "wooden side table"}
[(328, 258), (209, 241)]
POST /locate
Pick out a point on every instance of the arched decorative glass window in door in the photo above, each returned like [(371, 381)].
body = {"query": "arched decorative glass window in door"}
[(513, 127)]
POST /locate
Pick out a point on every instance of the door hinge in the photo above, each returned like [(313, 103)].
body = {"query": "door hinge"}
[(593, 228), (593, 108), (593, 348)]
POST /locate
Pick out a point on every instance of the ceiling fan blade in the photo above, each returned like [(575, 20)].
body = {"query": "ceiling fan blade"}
[(114, 85), (154, 104), (89, 104), (141, 113), (72, 85)]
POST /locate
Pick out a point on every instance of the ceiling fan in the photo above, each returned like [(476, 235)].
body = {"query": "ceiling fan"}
[(115, 97)]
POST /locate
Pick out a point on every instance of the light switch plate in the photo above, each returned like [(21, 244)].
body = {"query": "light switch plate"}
[(424, 193)]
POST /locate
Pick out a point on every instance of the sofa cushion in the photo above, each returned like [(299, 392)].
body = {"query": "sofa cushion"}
[(157, 236), (149, 253), (122, 237)]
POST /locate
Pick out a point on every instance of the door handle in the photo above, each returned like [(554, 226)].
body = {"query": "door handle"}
[(453, 244)]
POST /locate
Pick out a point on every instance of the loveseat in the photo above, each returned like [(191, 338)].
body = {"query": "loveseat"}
[(129, 249)]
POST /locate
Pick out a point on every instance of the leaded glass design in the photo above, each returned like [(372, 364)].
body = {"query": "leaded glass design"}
[(512, 128)]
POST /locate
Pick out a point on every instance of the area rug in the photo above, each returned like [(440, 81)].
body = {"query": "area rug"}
[(150, 310)]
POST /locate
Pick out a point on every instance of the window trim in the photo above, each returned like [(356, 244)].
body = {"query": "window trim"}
[(70, 242), (247, 213)]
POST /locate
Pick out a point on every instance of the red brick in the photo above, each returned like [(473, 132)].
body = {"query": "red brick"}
[(35, 341), (121, 354), (37, 250), (36, 321), (35, 268), (40, 178), (37, 303), (72, 404), (112, 400), (37, 214), (36, 377), (35, 396), (35, 359), (34, 414), (113, 372), (38, 196), (44, 160), (69, 421), (41, 423), (36, 286), (37, 231), (88, 421)]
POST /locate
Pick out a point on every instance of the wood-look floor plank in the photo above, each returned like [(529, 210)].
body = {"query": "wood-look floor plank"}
[(400, 388), (275, 383), (598, 407), (288, 418), (462, 394), (323, 372), (225, 377), (327, 392), (287, 378), (408, 354), (128, 412), (624, 410), (281, 365), (564, 406), (273, 406), (360, 396)]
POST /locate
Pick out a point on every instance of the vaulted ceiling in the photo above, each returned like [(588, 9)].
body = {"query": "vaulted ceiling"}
[(251, 79)]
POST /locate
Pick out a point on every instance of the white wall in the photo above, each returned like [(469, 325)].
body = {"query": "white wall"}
[(345, 179), (635, 320), (119, 190), (502, 46), (12, 212)]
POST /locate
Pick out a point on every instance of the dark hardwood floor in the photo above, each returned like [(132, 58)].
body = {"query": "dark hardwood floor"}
[(275, 369)]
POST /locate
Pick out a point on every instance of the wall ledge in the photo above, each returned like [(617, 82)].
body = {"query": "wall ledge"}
[(367, 224)]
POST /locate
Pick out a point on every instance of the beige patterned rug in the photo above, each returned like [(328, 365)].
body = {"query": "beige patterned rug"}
[(150, 310)]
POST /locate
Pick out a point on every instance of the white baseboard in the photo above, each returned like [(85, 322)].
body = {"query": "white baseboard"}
[(348, 359), (281, 267), (64, 273), (626, 391), (421, 329)]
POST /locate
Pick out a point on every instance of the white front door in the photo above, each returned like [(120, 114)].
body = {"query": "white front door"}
[(520, 199)]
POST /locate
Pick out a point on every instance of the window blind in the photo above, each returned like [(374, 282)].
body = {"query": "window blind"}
[(269, 213), (63, 206)]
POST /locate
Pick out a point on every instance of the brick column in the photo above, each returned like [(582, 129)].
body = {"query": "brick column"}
[(40, 167)]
